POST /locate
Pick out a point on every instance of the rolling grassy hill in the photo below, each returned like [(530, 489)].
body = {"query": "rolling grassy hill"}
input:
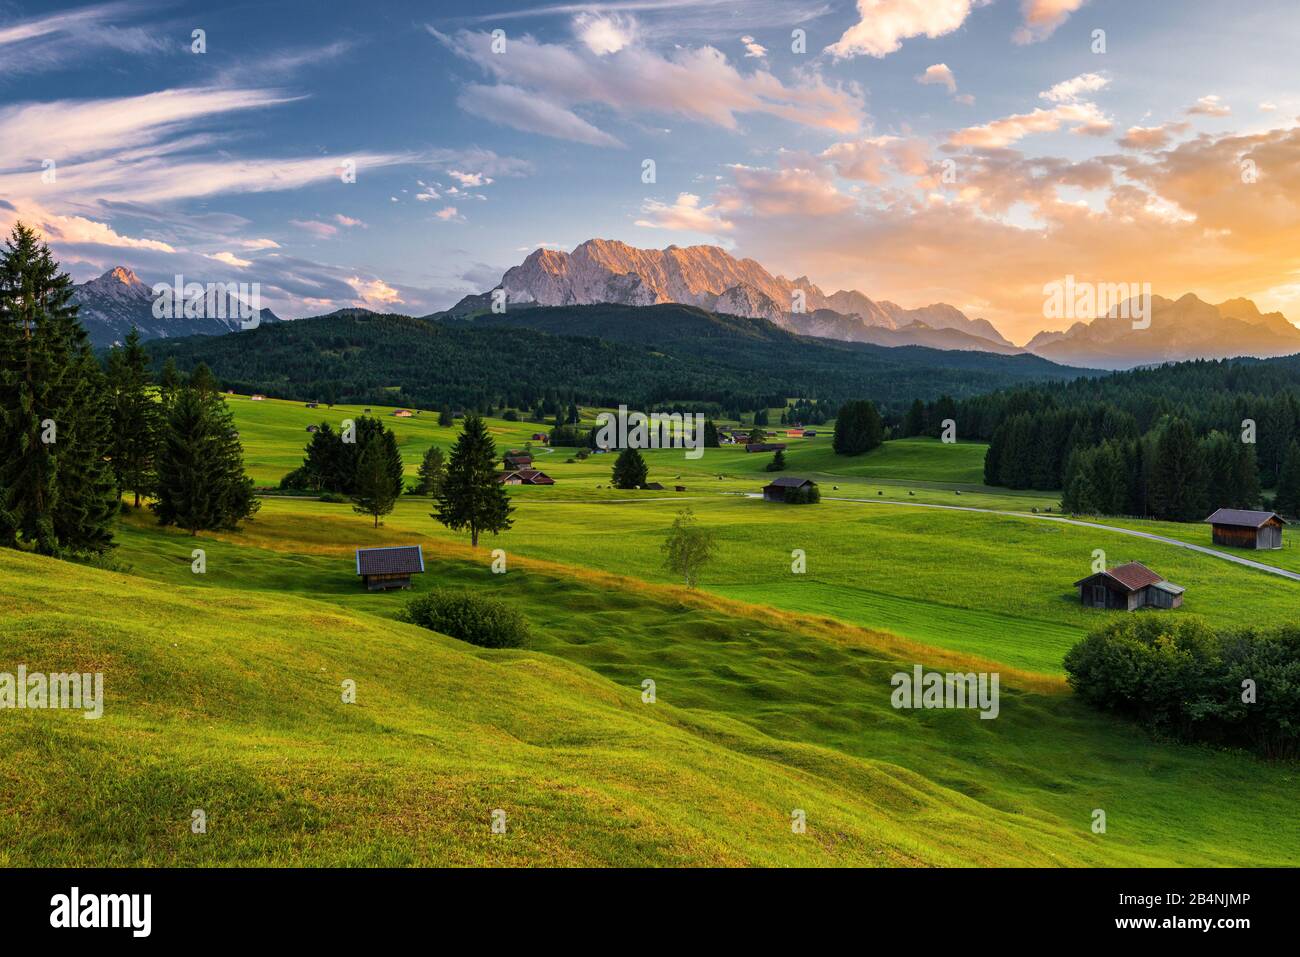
[(773, 689)]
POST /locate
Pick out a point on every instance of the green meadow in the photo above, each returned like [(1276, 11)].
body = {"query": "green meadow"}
[(772, 688)]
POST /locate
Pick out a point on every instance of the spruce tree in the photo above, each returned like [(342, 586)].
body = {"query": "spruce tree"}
[(1287, 500), (470, 496), (136, 417), (433, 469), (1178, 481), (376, 492), (858, 428), (57, 493), (778, 462), (630, 470), (201, 480)]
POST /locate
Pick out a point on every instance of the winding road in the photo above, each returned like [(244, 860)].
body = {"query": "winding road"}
[(1213, 552)]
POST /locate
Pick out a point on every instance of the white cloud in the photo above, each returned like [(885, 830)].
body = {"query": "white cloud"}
[(884, 24), (1211, 105), (684, 214), (938, 74), (348, 221), (470, 179), (523, 110), (753, 49), (259, 244), (449, 214), (230, 259), (604, 33), (1083, 118), (1069, 91), (318, 229), (1040, 18)]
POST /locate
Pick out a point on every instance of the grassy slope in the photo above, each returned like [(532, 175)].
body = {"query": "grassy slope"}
[(227, 699)]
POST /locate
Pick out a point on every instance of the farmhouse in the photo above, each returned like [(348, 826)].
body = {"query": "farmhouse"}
[(1239, 528), (787, 488), (765, 447), (1127, 588), (384, 568), (257, 398), (525, 477), (403, 413), (794, 433), (517, 461)]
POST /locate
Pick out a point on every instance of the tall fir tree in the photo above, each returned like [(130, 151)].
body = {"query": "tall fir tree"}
[(201, 480), (433, 469), (375, 489), (471, 497), (1179, 490), (1287, 499), (57, 492), (136, 417)]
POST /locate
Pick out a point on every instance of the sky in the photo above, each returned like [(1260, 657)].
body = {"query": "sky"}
[(960, 151)]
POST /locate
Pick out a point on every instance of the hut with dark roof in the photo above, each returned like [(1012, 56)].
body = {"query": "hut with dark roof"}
[(1128, 588), (1242, 528), (384, 568)]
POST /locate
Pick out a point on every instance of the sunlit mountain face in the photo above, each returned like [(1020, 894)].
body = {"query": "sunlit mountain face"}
[(900, 155)]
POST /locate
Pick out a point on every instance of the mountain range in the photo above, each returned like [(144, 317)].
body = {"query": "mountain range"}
[(607, 271), (111, 304)]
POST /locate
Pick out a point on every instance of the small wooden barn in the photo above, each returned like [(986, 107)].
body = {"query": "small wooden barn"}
[(786, 487), (765, 447), (1242, 528), (520, 461), (524, 477), (1128, 588), (384, 568), (403, 413)]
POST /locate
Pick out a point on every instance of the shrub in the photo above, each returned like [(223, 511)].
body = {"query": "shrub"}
[(1180, 678), (480, 621), (808, 495), (333, 497)]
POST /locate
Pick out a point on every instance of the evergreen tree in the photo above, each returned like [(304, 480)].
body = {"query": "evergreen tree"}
[(169, 381), (201, 480), (778, 462), (445, 417), (375, 491), (914, 422), (858, 428), (1178, 483), (57, 492), (710, 435), (136, 417), (1287, 499), (432, 471), (630, 470), (470, 496)]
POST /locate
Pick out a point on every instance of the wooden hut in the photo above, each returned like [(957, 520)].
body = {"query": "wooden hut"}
[(787, 488), (1127, 588), (525, 477), (384, 568), (1241, 528)]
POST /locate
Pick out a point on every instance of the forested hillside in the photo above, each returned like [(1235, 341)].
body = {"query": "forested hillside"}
[(639, 356), (1171, 442)]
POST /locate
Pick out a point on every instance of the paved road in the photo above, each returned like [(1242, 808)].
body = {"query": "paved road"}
[(1213, 552)]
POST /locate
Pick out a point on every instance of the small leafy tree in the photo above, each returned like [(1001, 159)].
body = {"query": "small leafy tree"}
[(480, 621), (470, 496), (630, 470), (688, 547)]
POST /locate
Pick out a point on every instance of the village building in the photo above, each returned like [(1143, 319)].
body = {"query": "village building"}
[(1127, 588), (653, 486), (1241, 528), (787, 487), (385, 568), (515, 461), (525, 477), (403, 413), (257, 398)]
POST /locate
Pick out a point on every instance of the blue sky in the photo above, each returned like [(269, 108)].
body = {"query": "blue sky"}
[(1027, 154)]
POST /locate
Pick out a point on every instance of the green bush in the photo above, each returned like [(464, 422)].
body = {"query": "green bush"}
[(333, 497), (1178, 677), (808, 495), (480, 621)]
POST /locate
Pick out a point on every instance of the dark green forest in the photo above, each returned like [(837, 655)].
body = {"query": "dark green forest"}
[(1173, 442), (651, 356)]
